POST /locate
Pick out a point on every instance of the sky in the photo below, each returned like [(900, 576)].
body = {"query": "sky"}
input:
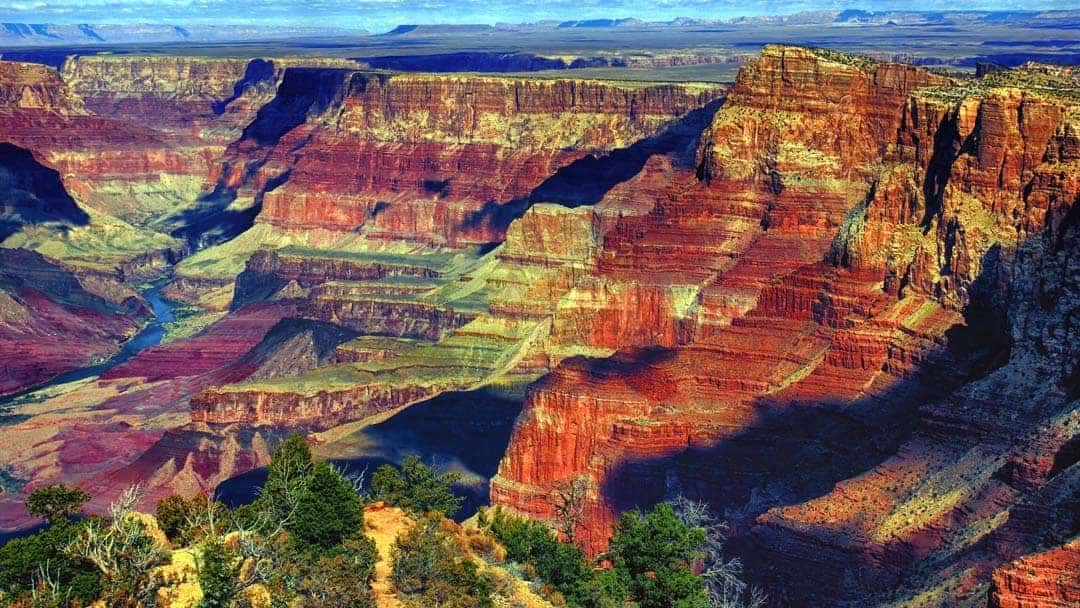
[(381, 15)]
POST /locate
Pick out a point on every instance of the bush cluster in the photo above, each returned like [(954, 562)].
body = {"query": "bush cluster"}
[(302, 542)]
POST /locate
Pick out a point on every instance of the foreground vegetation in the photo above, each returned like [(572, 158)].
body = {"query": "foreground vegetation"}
[(302, 542)]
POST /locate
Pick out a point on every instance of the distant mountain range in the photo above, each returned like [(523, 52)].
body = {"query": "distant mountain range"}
[(50, 34), (1066, 19), (45, 34)]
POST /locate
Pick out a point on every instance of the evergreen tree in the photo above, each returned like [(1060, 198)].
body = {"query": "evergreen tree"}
[(416, 487), (22, 560), (327, 512), (217, 575), (653, 553), (54, 502), (286, 479)]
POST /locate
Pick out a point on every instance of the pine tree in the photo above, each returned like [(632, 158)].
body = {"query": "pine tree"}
[(328, 511)]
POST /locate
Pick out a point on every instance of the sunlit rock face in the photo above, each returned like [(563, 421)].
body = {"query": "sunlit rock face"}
[(1042, 580), (437, 159), (851, 366), (318, 299), (212, 99), (30, 86), (101, 161)]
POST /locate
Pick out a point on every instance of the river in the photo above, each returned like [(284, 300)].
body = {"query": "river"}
[(150, 335)]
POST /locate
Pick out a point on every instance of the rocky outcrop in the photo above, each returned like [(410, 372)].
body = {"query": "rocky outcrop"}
[(1045, 580), (117, 174), (51, 324), (366, 158), (31, 86), (267, 272), (218, 350), (768, 195), (211, 98)]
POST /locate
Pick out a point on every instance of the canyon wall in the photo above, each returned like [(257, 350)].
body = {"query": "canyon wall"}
[(379, 207), (211, 98), (30, 86), (438, 159), (871, 239), (838, 305)]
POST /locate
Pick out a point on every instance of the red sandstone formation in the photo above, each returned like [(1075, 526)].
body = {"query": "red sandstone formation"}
[(1050, 579), (49, 324), (864, 219), (373, 153), (30, 86), (840, 308), (209, 99)]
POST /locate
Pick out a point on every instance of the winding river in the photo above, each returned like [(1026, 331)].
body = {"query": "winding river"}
[(150, 335)]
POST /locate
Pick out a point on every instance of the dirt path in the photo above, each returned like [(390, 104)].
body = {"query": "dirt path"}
[(383, 526)]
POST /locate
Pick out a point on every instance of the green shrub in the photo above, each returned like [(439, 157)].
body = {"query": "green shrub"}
[(431, 567), (21, 561), (122, 550), (561, 565), (652, 555), (342, 578), (217, 575), (416, 488), (55, 502), (184, 520)]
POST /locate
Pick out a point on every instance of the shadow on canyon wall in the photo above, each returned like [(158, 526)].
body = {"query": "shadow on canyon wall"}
[(797, 451), (465, 432), (31, 193), (258, 72), (587, 180), (303, 92), (23, 271)]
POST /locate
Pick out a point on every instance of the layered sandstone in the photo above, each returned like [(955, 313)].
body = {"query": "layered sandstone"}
[(106, 167), (212, 98), (363, 159), (838, 307), (50, 324), (371, 152), (1050, 579), (30, 86), (858, 270)]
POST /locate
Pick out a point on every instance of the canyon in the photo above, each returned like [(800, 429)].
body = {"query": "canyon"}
[(836, 300)]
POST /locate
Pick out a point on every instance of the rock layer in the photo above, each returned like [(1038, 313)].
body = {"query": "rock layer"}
[(1046, 580), (373, 153)]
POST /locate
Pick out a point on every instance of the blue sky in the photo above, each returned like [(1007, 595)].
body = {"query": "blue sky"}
[(379, 15)]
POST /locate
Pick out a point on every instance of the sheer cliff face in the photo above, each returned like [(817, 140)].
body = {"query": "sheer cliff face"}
[(210, 99), (436, 159), (872, 338)]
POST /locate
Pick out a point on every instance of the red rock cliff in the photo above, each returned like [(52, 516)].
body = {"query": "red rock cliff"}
[(346, 150), (844, 249)]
